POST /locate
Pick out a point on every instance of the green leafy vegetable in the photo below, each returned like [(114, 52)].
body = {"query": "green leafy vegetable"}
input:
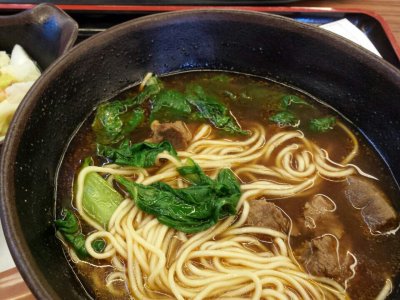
[(99, 245), (194, 174), (288, 100), (322, 124), (69, 224), (137, 155), (212, 110), (115, 120), (69, 228), (227, 183), (100, 200), (284, 118), (192, 209), (153, 87), (77, 242), (170, 105)]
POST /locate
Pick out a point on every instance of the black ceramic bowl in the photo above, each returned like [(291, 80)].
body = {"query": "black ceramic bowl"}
[(45, 32), (362, 86)]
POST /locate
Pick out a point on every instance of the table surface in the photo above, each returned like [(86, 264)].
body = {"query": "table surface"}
[(388, 9)]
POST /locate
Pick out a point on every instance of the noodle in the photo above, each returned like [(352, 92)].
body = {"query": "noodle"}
[(225, 261), (386, 290)]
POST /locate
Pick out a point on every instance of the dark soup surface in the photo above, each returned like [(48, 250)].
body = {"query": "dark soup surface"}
[(206, 185)]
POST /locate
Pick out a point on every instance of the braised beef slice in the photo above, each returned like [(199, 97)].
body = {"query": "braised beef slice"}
[(376, 209), (321, 257), (268, 215), (176, 133), (320, 218)]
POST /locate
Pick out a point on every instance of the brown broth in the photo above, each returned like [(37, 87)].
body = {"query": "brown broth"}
[(255, 99)]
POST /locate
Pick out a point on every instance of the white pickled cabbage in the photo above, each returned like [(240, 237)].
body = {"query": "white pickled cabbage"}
[(17, 75), (21, 67), (7, 111), (17, 91), (4, 59)]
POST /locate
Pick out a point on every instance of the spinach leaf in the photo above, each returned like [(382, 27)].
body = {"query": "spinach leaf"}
[(212, 110), (193, 173), (322, 124), (77, 242), (115, 120), (227, 183), (69, 224), (153, 87), (169, 105), (138, 155), (284, 118), (99, 245), (191, 209), (69, 228), (292, 99)]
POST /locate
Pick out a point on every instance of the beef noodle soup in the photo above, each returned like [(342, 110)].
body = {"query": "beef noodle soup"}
[(206, 185)]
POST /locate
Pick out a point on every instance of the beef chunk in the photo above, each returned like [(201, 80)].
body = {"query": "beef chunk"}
[(268, 215), (176, 133), (322, 257), (376, 209), (320, 218)]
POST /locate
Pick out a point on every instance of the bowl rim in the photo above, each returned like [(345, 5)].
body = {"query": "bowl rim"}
[(18, 247)]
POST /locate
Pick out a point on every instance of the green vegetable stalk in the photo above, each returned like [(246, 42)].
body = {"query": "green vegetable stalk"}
[(100, 200)]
